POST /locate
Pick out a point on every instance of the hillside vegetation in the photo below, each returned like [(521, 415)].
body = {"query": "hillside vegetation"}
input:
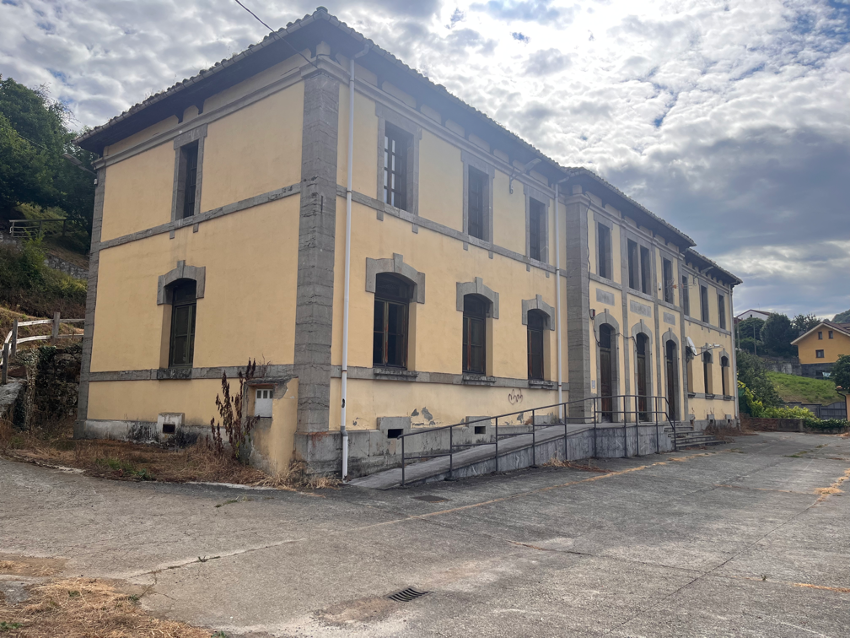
[(30, 287), (795, 389)]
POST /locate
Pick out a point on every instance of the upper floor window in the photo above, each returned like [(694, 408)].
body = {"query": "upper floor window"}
[(820, 335), (536, 328), (478, 185), (183, 309), (721, 312), (536, 230), (189, 186), (634, 261), (819, 354), (390, 332), (703, 302), (686, 296), (830, 334), (667, 279), (475, 310), (396, 146), (604, 264)]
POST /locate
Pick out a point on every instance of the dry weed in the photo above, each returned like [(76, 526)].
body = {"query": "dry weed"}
[(85, 608), (556, 462)]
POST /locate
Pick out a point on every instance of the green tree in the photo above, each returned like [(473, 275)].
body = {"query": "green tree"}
[(841, 373), (753, 374), (804, 323), (749, 335), (778, 333), (842, 317), (35, 139)]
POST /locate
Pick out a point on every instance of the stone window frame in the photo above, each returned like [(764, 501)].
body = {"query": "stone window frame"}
[(470, 160), (386, 114), (538, 304), (601, 318), (530, 193), (199, 135), (477, 287), (164, 292), (396, 266), (610, 260), (642, 242)]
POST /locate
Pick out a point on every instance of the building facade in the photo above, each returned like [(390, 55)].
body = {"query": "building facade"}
[(821, 346), (222, 234)]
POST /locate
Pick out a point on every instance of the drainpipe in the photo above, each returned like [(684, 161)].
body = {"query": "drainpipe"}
[(348, 188)]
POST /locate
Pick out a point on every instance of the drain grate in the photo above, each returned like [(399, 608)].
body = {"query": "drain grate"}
[(430, 498), (406, 595)]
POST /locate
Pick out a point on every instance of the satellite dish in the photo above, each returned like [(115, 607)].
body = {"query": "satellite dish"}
[(691, 347)]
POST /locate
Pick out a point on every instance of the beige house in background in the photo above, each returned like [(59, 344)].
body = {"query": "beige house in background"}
[(220, 235)]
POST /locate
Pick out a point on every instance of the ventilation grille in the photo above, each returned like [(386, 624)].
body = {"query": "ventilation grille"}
[(406, 595)]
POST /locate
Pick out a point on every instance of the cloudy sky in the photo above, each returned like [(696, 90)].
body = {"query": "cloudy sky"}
[(729, 118)]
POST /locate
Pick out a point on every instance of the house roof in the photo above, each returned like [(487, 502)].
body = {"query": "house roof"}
[(761, 312), (843, 328), (705, 264), (319, 26)]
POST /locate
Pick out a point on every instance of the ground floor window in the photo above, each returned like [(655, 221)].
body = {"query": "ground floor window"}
[(536, 326), (389, 341), (183, 307), (475, 310)]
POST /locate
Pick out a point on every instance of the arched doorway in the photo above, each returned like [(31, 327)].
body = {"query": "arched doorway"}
[(606, 372), (672, 369), (643, 375)]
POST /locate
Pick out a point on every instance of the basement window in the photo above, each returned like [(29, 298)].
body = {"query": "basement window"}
[(481, 429), (394, 433), (263, 402)]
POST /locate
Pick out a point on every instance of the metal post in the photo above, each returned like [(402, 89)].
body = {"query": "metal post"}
[(402, 461), (593, 405), (451, 451), (564, 408), (657, 435), (4, 374), (14, 337), (55, 336), (497, 444), (533, 440)]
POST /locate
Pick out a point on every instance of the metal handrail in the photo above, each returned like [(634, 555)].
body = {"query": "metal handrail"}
[(564, 420)]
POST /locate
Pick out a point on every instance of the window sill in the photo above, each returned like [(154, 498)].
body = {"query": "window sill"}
[(164, 374), (727, 397), (541, 383), (395, 373), (692, 395), (709, 396), (477, 379)]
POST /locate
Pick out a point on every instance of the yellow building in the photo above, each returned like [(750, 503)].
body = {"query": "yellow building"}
[(821, 346), (221, 234)]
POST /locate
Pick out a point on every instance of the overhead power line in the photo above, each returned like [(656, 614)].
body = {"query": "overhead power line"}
[(258, 19)]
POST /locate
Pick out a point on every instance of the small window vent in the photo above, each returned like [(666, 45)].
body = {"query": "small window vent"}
[(481, 429), (394, 433)]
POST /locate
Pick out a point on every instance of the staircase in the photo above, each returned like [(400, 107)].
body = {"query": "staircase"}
[(687, 437)]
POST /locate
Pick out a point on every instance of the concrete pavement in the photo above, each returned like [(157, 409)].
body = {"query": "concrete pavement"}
[(731, 541)]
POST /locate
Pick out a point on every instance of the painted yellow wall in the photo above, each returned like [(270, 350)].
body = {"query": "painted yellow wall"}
[(447, 404), (248, 309), (703, 408), (440, 182), (145, 400), (138, 191), (832, 348), (275, 439), (365, 175), (142, 136), (254, 83), (254, 150), (508, 214)]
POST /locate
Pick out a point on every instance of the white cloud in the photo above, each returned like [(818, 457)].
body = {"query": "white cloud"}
[(728, 118)]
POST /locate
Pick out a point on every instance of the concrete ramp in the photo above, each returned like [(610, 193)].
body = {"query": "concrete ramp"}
[(580, 442)]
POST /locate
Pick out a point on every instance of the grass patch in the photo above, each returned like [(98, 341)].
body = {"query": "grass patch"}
[(803, 389)]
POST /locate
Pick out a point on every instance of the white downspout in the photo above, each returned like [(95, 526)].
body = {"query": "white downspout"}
[(348, 189), (558, 300)]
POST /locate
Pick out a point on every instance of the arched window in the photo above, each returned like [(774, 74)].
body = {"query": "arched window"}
[(536, 326), (724, 375), (706, 372), (606, 371), (389, 342), (475, 308), (643, 375), (183, 310)]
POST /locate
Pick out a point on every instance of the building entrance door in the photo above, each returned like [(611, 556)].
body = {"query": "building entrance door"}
[(672, 379)]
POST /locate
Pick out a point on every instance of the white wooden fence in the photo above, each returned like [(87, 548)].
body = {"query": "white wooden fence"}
[(12, 341)]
